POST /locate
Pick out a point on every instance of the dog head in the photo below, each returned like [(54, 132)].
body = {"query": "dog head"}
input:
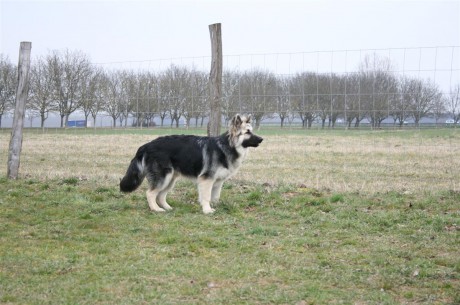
[(240, 132)]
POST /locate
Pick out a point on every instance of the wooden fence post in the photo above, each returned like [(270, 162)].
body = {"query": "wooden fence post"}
[(215, 80), (18, 121)]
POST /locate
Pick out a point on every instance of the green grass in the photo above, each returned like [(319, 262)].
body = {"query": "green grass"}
[(74, 241)]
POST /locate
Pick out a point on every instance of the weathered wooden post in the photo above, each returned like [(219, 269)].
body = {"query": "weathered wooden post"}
[(215, 80), (18, 120)]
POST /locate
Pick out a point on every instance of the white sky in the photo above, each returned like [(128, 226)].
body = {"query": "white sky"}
[(131, 31), (286, 33), (143, 30)]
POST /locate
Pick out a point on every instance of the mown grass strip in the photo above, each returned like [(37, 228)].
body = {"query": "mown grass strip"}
[(72, 241)]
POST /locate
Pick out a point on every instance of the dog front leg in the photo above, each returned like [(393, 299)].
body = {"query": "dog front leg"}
[(204, 193)]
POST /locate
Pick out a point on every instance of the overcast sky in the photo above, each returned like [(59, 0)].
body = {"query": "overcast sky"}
[(112, 31), (284, 33)]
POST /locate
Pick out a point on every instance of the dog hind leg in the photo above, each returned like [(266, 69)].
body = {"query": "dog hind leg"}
[(216, 188), (204, 193), (159, 178), (151, 198), (170, 181)]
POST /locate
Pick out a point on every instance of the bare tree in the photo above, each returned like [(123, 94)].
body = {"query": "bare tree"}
[(176, 84), (8, 83), (258, 90), (145, 99), (230, 95), (113, 93), (69, 69), (130, 95), (337, 98), (402, 103), (422, 97), (378, 85), (283, 99), (354, 107), (100, 79), (439, 108), (453, 103), (329, 98), (195, 87), (41, 94), (303, 90), (163, 97), (90, 94), (199, 98), (324, 97), (385, 85), (150, 101)]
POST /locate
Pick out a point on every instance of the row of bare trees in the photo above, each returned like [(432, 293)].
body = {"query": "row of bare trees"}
[(64, 82)]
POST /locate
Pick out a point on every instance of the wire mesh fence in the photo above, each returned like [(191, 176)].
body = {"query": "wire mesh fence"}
[(395, 87), (353, 120)]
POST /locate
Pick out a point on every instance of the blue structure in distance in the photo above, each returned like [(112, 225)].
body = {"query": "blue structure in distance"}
[(79, 123)]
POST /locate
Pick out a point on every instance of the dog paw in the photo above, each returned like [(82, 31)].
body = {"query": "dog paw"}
[(167, 207), (208, 211), (160, 210)]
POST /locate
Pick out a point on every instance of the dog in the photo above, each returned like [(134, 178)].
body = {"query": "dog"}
[(209, 160)]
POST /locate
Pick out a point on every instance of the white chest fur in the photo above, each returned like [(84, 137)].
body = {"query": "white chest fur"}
[(223, 173)]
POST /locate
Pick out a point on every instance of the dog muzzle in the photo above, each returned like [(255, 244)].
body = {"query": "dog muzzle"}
[(253, 141)]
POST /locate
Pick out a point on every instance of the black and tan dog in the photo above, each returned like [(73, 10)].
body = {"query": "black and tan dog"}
[(209, 160)]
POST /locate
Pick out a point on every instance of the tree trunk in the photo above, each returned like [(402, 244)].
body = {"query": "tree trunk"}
[(66, 119), (86, 120)]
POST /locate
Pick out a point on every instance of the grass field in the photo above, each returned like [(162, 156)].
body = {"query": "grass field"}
[(345, 161), (313, 218)]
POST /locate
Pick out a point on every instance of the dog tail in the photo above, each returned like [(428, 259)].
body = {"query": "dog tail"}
[(135, 173)]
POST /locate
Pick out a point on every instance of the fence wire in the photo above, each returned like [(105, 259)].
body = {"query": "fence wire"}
[(349, 88), (354, 120)]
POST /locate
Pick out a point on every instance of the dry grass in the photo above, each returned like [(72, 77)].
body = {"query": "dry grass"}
[(367, 162)]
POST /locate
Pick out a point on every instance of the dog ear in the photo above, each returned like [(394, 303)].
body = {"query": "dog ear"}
[(249, 119), (236, 121)]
